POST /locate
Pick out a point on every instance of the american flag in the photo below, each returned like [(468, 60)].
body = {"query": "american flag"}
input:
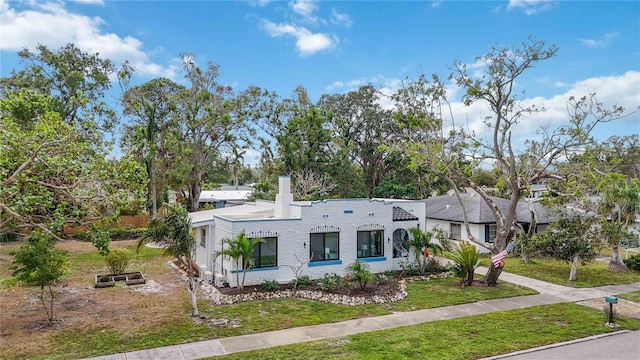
[(497, 259)]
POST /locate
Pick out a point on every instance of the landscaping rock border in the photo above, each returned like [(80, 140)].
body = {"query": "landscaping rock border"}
[(212, 293)]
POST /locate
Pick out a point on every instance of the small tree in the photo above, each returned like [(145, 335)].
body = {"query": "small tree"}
[(172, 230), (39, 263), (571, 238), (360, 272), (620, 203), (240, 249), (421, 242), (466, 258)]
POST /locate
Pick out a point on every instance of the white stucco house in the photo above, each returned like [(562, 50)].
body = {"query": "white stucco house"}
[(325, 235), (445, 212)]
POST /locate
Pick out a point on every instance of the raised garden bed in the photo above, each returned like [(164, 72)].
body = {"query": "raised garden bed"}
[(130, 278)]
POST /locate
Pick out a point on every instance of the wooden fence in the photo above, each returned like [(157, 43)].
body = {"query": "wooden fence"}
[(125, 221)]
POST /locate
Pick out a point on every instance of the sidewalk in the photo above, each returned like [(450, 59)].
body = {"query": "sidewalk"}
[(548, 294)]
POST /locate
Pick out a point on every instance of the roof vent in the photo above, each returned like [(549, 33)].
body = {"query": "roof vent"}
[(448, 206)]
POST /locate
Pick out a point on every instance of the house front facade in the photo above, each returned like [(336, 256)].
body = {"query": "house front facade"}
[(445, 213), (318, 237)]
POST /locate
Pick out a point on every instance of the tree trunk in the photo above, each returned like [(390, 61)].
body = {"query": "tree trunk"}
[(616, 263), (154, 194), (491, 277), (46, 308), (192, 288), (469, 280), (574, 267), (238, 285)]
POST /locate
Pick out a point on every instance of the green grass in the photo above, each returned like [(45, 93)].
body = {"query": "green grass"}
[(557, 272), (261, 316), (631, 296), (445, 292), (465, 338)]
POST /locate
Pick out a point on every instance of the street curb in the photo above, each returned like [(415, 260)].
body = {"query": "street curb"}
[(551, 346)]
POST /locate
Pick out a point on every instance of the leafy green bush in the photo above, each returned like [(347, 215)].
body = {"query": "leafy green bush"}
[(117, 260), (303, 281), (329, 282), (433, 267), (633, 262), (100, 238), (269, 285)]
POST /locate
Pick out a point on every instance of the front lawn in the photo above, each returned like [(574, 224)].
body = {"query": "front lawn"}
[(471, 337), (557, 272), (105, 321), (631, 296)]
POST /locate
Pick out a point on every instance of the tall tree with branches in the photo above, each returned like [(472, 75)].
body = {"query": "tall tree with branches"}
[(433, 138)]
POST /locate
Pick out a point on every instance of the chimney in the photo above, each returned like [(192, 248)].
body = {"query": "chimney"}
[(284, 198)]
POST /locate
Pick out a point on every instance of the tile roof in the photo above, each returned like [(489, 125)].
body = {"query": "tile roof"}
[(400, 214)]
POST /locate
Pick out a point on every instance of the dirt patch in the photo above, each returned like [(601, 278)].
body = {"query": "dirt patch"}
[(79, 306), (623, 307)]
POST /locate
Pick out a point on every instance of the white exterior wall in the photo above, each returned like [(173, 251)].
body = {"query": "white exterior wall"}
[(326, 216), (477, 230)]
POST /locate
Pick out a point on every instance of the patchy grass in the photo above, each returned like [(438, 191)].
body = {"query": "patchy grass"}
[(557, 272), (631, 296), (465, 338), (111, 320)]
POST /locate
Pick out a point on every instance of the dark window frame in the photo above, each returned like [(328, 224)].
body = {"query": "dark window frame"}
[(256, 256), (367, 253), (312, 255)]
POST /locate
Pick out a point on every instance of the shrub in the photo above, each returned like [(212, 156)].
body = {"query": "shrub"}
[(433, 267), (467, 259), (360, 272), (117, 260), (269, 285), (633, 262), (303, 281), (329, 282)]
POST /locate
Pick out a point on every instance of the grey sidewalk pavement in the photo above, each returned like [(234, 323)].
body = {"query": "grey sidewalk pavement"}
[(548, 294)]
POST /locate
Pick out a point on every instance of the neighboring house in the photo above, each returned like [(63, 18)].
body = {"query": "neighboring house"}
[(444, 212), (325, 236), (224, 196)]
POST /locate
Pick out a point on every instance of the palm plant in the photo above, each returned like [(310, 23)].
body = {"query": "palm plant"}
[(240, 249), (421, 242), (360, 272), (466, 258), (172, 230)]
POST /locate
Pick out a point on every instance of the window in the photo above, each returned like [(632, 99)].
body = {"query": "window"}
[(455, 231), (370, 243), (203, 237), (323, 246), (400, 238), (490, 232), (265, 254)]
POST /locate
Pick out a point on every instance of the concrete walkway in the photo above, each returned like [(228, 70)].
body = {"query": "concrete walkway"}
[(548, 294)]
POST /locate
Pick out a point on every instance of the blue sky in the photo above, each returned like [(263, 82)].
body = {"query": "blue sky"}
[(336, 46)]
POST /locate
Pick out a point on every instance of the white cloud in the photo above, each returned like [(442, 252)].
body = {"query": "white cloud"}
[(603, 41), (303, 7), (52, 25), (611, 90), (531, 7), (307, 43), (340, 18)]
